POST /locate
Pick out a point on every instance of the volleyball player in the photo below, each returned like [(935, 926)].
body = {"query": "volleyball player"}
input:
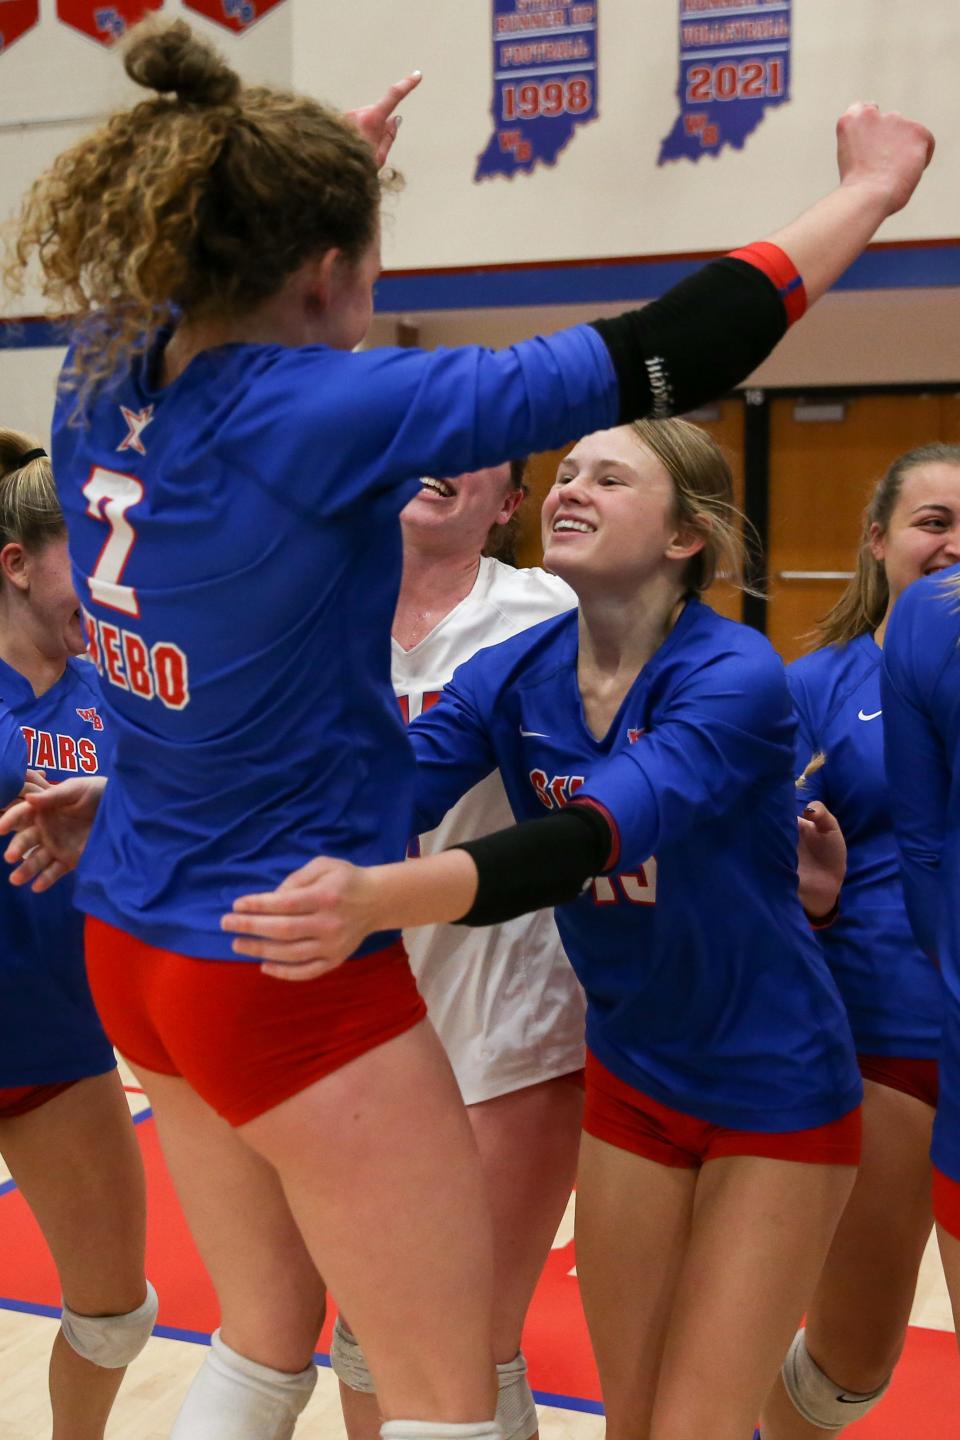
[(504, 1001), (722, 1124), (65, 1129), (920, 692), (232, 476), (840, 1365)]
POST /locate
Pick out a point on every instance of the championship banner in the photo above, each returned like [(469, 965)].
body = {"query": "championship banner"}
[(734, 63), (105, 23), (544, 81), (16, 18), (235, 15)]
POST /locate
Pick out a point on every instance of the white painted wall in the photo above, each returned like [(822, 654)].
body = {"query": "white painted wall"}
[(606, 196)]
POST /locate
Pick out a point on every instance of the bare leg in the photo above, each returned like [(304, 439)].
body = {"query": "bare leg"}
[(390, 1200), (633, 1227), (77, 1163), (528, 1143), (858, 1319), (272, 1299), (372, 1174), (761, 1231)]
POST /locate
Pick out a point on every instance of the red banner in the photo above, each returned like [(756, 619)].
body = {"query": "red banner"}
[(104, 22), (236, 15), (16, 18)]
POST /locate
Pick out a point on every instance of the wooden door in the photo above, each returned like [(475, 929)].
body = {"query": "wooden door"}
[(822, 473)]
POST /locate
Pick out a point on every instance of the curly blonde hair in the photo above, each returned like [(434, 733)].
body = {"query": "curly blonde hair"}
[(201, 200)]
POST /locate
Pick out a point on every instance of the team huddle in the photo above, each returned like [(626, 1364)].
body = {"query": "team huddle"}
[(415, 887)]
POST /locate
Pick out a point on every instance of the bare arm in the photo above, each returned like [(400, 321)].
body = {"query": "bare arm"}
[(881, 159), (321, 913)]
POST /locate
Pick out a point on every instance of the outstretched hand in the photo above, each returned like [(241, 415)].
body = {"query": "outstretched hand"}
[(821, 859), (50, 827), (377, 123), (310, 923), (884, 150)]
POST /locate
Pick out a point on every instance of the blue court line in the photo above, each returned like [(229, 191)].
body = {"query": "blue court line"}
[(9, 1185), (198, 1337), (909, 266)]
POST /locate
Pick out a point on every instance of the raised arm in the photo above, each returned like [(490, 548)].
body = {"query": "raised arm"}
[(709, 332), (881, 159)]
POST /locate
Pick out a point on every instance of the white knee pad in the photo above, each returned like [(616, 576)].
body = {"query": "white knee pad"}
[(111, 1341), (347, 1360), (436, 1430), (816, 1397), (516, 1411), (233, 1398)]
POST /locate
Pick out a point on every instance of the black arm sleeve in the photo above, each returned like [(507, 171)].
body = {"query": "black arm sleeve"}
[(696, 342), (537, 863)]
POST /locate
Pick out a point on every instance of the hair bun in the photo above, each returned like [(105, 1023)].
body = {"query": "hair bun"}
[(170, 57)]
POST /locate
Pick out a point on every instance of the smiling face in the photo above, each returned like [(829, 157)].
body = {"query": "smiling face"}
[(611, 515), (923, 534), (456, 514)]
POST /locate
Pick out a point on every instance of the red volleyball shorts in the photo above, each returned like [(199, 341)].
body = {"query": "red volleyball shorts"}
[(21, 1099), (919, 1078), (625, 1117), (946, 1203), (243, 1040)]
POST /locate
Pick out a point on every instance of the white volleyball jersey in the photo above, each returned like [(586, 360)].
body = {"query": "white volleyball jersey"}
[(504, 1000)]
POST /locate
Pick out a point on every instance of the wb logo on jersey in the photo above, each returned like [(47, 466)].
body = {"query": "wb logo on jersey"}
[(91, 717)]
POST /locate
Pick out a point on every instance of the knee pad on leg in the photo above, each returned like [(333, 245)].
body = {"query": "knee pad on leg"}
[(347, 1360), (234, 1398), (816, 1397), (516, 1411), (111, 1341), (437, 1430)]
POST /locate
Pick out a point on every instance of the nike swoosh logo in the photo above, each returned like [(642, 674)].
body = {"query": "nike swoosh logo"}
[(533, 734), (861, 715)]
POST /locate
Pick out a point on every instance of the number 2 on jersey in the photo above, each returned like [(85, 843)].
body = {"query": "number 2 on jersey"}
[(109, 495)]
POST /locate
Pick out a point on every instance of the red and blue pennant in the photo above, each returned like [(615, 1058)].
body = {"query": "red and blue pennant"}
[(544, 82), (734, 65), (16, 18), (236, 15), (102, 22)]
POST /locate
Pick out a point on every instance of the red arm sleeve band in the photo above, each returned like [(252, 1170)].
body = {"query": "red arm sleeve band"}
[(780, 269), (703, 337)]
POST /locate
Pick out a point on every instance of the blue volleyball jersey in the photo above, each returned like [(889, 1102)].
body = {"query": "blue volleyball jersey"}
[(892, 992), (48, 1025), (921, 712), (13, 756), (236, 549), (705, 988)]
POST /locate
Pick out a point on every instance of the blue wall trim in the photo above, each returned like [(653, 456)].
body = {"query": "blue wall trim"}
[(909, 267)]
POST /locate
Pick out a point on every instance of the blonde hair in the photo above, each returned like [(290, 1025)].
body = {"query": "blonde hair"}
[(864, 602), (703, 487), (203, 200), (30, 513)]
